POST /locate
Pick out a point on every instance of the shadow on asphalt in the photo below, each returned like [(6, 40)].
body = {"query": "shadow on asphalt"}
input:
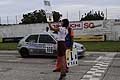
[(40, 56)]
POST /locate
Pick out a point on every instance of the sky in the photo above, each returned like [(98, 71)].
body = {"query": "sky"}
[(70, 9)]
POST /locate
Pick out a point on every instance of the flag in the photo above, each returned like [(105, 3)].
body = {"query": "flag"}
[(47, 3)]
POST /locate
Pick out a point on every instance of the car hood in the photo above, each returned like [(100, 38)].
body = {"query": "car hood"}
[(77, 44)]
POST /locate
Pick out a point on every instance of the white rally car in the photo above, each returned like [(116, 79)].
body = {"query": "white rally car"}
[(43, 44)]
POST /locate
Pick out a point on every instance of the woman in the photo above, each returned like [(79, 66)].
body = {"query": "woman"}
[(62, 32)]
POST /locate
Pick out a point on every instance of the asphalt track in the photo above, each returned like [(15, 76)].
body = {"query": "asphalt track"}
[(94, 66)]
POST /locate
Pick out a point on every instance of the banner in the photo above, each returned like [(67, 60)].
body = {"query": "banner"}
[(84, 25), (90, 38), (71, 57), (74, 25)]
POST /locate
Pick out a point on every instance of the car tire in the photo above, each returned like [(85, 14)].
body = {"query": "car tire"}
[(24, 53)]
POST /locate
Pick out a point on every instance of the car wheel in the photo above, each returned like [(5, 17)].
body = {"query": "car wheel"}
[(24, 53)]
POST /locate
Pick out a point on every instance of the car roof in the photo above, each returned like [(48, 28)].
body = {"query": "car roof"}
[(44, 33)]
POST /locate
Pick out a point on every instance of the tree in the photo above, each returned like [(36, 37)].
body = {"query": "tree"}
[(93, 16), (56, 16), (38, 16)]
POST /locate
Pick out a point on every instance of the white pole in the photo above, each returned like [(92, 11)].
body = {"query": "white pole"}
[(106, 14), (7, 20), (67, 14), (79, 15), (0, 19)]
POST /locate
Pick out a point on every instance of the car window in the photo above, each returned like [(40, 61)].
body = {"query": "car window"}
[(32, 38), (46, 39)]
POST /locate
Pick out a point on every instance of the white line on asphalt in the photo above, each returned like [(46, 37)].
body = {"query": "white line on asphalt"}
[(94, 79), (15, 60), (97, 59), (87, 76), (101, 65), (102, 68), (83, 79), (90, 72), (96, 66), (91, 61), (98, 69), (97, 74), (7, 55), (93, 69)]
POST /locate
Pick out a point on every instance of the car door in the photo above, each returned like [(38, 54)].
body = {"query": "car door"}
[(48, 44), (32, 44)]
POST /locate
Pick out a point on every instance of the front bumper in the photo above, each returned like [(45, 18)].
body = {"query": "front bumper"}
[(81, 53)]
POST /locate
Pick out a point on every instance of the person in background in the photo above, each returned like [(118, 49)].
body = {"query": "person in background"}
[(62, 32), (47, 29)]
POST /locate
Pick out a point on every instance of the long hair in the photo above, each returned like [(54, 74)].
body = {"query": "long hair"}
[(65, 23)]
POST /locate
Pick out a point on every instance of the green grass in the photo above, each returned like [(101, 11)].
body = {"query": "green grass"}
[(8, 46), (109, 46), (0, 39)]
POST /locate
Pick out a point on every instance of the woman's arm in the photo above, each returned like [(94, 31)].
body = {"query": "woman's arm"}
[(54, 29)]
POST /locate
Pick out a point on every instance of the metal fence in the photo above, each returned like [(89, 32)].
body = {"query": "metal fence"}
[(109, 13), (10, 19), (71, 14)]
